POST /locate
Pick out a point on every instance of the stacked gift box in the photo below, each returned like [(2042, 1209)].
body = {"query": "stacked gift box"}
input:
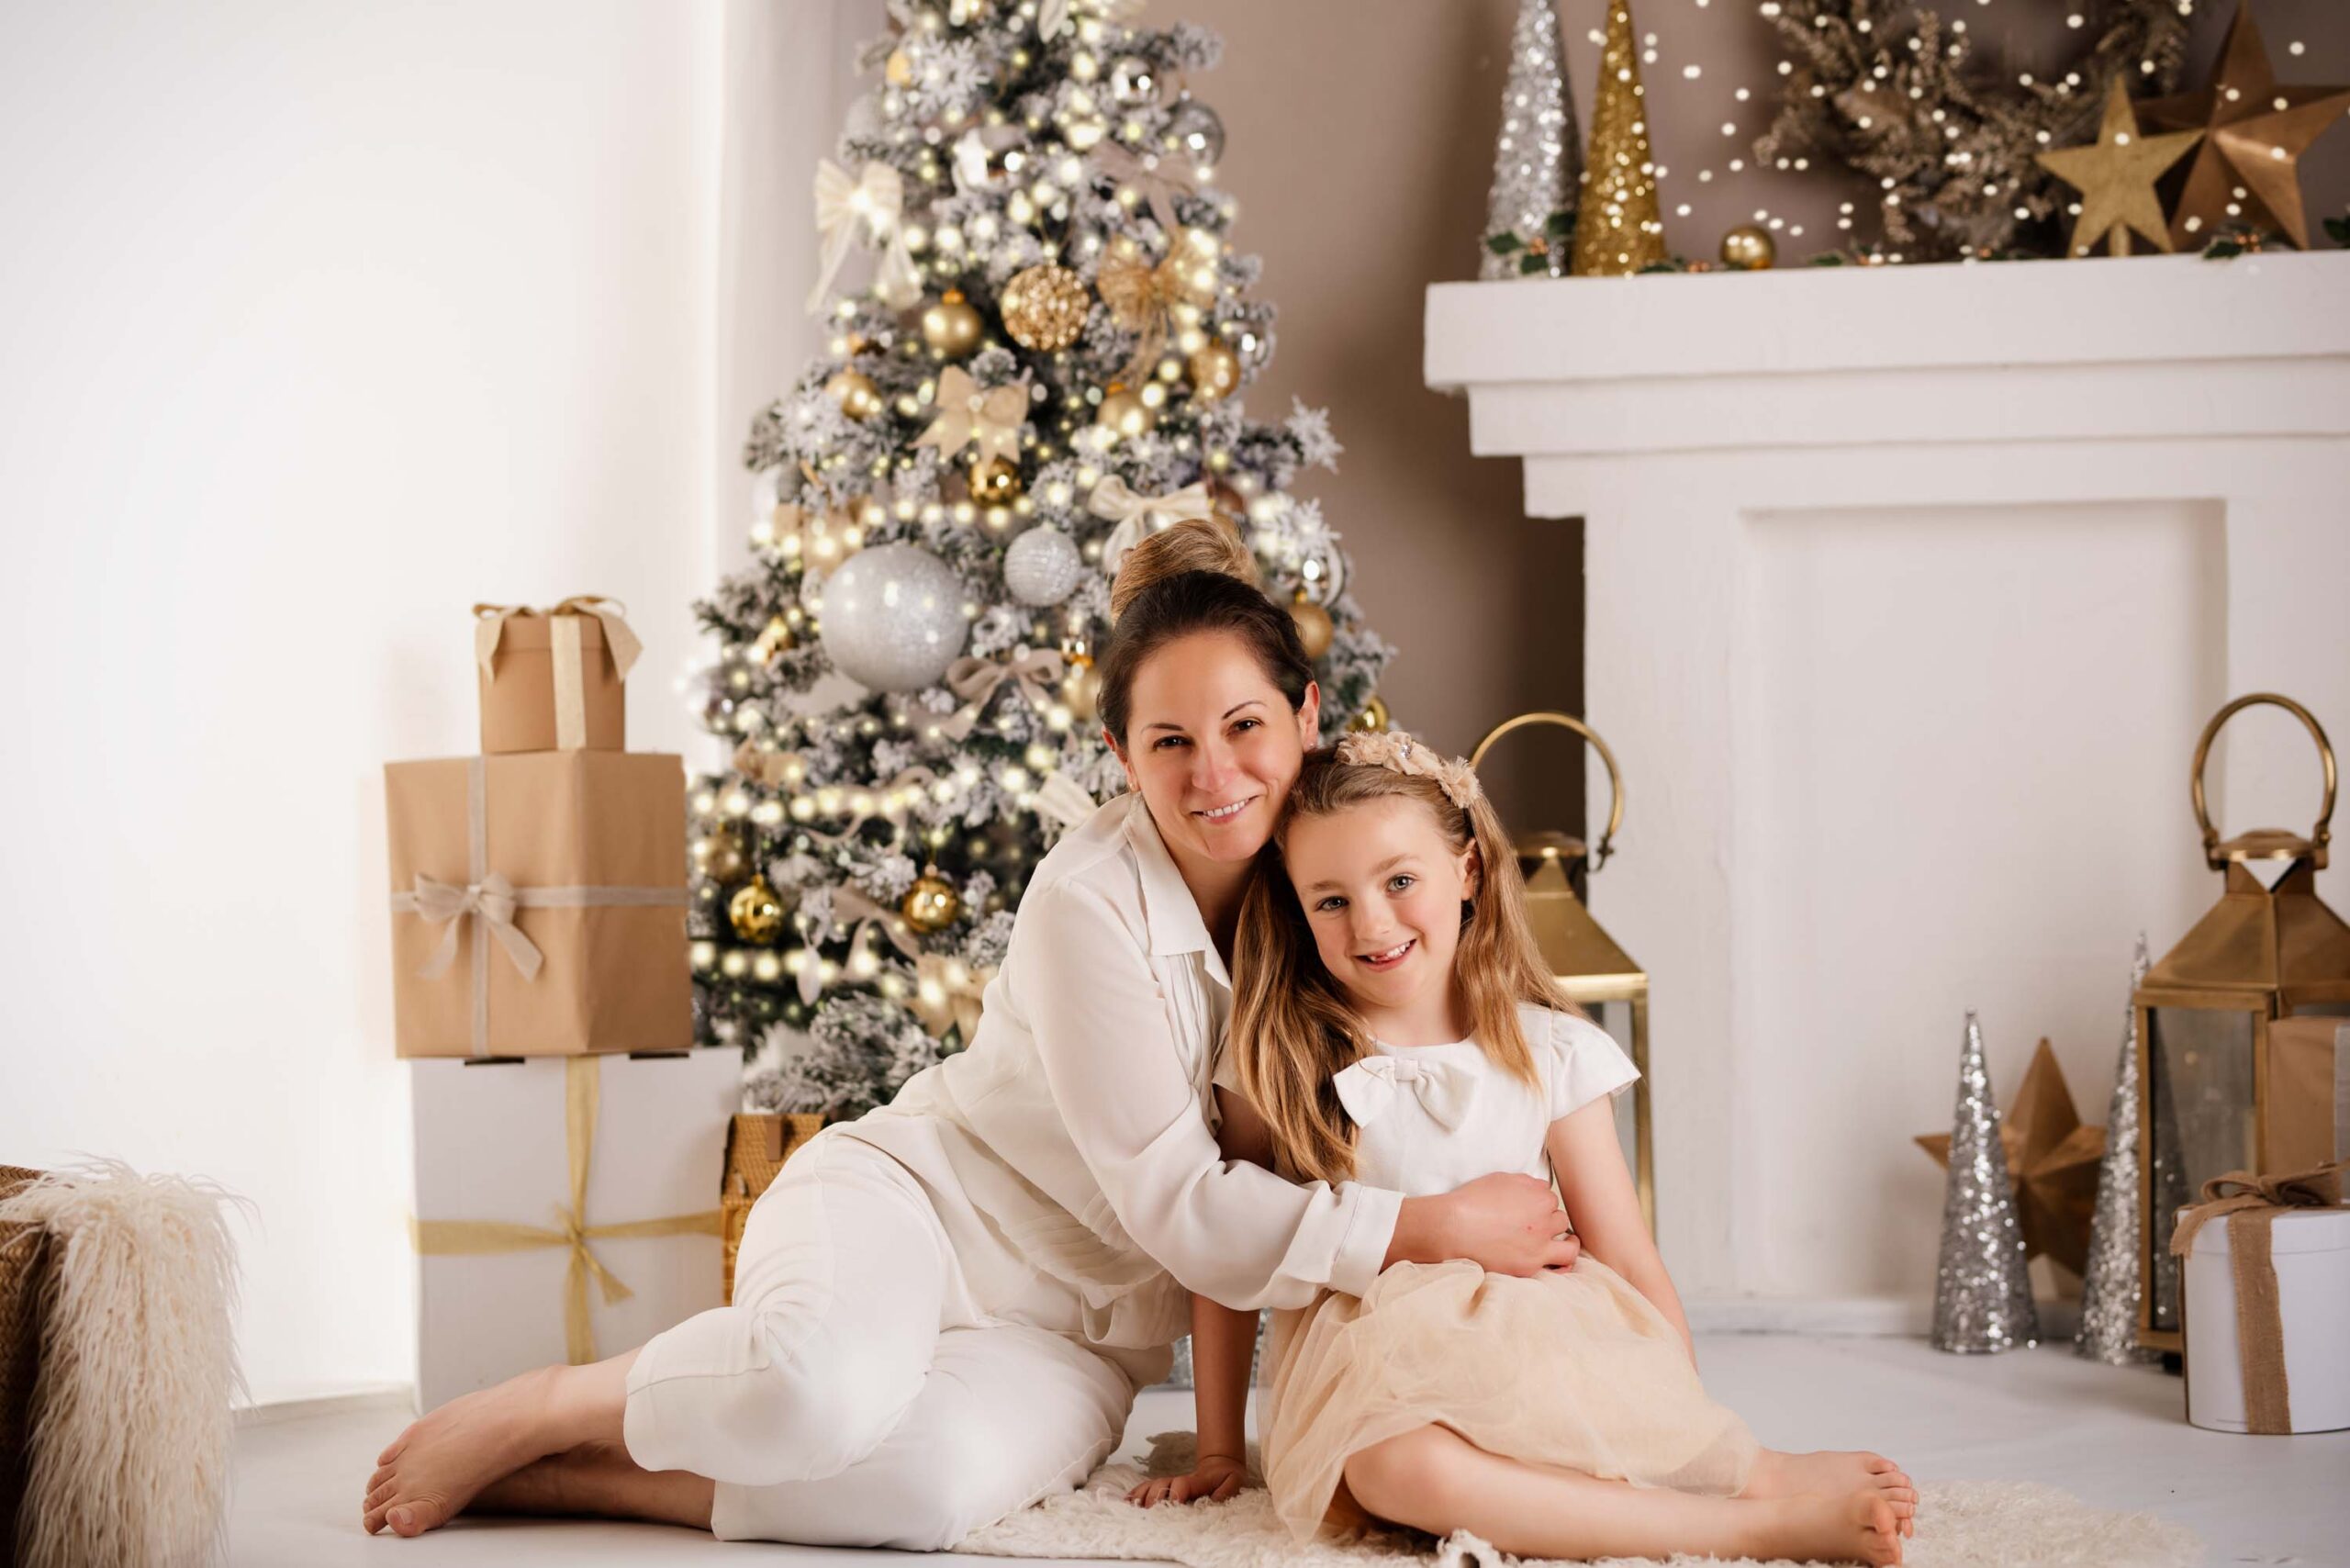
[(569, 1141)]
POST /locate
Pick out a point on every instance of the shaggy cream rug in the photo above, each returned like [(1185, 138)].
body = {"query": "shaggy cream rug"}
[(1960, 1524)]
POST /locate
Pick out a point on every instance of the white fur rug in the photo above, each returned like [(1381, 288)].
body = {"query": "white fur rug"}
[(1960, 1524)]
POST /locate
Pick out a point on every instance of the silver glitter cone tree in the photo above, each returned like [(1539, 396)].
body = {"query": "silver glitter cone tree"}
[(1538, 155), (2115, 1283), (1982, 1287)]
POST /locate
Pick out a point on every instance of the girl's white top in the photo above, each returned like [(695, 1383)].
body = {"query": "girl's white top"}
[(1068, 1151), (1432, 1117)]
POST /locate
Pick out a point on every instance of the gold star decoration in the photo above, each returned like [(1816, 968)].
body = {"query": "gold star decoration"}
[(2115, 178), (2249, 169), (2051, 1161)]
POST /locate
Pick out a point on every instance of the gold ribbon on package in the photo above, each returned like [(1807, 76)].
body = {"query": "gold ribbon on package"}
[(563, 632), (1141, 296), (2251, 1205), (489, 900), (989, 422), (975, 680), (875, 200), (1139, 516), (947, 993), (582, 1080)]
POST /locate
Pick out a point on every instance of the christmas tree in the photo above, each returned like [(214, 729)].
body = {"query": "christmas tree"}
[(1046, 364)]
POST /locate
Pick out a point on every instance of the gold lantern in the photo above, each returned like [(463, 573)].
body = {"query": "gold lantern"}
[(1589, 967), (2268, 951)]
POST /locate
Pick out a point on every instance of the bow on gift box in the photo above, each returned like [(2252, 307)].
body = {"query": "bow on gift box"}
[(563, 641), (2251, 1205), (975, 680), (1141, 296), (875, 199), (1140, 515), (1369, 1089), (988, 420), (582, 1077)]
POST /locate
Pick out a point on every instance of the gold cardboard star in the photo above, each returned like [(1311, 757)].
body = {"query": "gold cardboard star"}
[(2115, 178), (2051, 1161), (2249, 168)]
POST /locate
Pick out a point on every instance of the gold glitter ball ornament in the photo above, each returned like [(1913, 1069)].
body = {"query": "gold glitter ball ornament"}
[(755, 913), (931, 905), (1315, 628), (952, 325), (1215, 371), (1372, 717), (996, 482), (855, 392), (1045, 308), (1125, 413), (1750, 248)]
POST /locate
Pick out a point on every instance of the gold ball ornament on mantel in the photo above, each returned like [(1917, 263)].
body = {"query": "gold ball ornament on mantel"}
[(854, 390), (952, 325), (931, 905), (1124, 412), (755, 913), (1372, 717), (1045, 308), (1315, 627), (1214, 372), (1750, 248)]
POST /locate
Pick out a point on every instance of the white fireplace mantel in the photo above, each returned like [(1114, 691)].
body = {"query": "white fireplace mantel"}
[(1907, 591)]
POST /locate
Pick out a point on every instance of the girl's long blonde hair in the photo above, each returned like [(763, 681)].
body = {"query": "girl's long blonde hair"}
[(1292, 1028)]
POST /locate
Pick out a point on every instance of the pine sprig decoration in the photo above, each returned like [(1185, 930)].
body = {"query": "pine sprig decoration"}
[(1945, 134)]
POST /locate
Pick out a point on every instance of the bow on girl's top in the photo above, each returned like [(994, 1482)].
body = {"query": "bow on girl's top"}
[(1369, 1089)]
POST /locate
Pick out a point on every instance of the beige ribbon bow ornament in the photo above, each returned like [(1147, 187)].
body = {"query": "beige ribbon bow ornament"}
[(875, 201), (975, 680), (1054, 17), (853, 908), (1370, 1088), (2251, 1204), (948, 995), (1142, 297), (1147, 173), (1138, 516), (989, 422)]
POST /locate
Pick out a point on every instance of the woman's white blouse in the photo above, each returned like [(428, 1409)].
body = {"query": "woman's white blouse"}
[(1431, 1118), (1068, 1151)]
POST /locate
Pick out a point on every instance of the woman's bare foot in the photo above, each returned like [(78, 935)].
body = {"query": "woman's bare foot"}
[(599, 1479), (436, 1467), (1833, 1474), (1859, 1527)]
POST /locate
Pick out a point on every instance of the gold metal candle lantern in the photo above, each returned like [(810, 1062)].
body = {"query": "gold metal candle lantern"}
[(1589, 966), (2269, 949)]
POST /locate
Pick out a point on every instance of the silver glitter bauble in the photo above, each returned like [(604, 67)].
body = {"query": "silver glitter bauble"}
[(2114, 1284), (1195, 132), (1042, 566), (1538, 156), (1981, 1288), (893, 618)]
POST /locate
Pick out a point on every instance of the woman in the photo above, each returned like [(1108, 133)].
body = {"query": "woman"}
[(942, 1311)]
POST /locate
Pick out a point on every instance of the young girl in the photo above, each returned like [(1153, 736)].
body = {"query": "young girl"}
[(1393, 1023)]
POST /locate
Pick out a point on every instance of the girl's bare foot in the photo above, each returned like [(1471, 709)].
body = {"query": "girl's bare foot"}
[(438, 1465), (1859, 1527), (1833, 1474)]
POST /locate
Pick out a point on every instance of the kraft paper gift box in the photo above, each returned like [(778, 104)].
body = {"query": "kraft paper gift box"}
[(512, 1158), (539, 905), (552, 679)]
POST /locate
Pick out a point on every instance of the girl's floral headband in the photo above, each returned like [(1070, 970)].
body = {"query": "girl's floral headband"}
[(1399, 753)]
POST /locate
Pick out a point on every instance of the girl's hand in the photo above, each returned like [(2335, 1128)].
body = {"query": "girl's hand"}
[(1213, 1478)]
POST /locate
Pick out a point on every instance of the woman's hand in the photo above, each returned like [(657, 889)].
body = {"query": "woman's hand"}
[(1213, 1478), (1507, 1223)]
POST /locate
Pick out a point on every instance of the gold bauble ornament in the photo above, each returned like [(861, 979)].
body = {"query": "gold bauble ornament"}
[(722, 855), (855, 392), (1124, 413), (898, 71), (931, 905), (1372, 717), (1082, 692), (1215, 371), (996, 482), (953, 325), (777, 638), (1045, 308), (1750, 248), (755, 911), (1315, 628)]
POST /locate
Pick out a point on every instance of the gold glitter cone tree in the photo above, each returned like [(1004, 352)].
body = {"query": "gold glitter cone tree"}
[(1618, 227)]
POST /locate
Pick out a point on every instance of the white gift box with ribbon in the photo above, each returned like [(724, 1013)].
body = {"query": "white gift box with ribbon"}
[(2309, 1252)]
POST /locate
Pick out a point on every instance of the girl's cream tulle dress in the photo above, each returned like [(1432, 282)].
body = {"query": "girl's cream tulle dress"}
[(1576, 1370)]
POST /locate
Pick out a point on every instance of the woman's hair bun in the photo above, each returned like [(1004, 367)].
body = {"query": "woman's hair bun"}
[(1194, 544)]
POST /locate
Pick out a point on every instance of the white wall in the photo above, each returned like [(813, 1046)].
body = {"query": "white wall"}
[(324, 322)]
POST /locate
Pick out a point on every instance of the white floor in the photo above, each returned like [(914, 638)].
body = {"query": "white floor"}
[(2113, 1437)]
